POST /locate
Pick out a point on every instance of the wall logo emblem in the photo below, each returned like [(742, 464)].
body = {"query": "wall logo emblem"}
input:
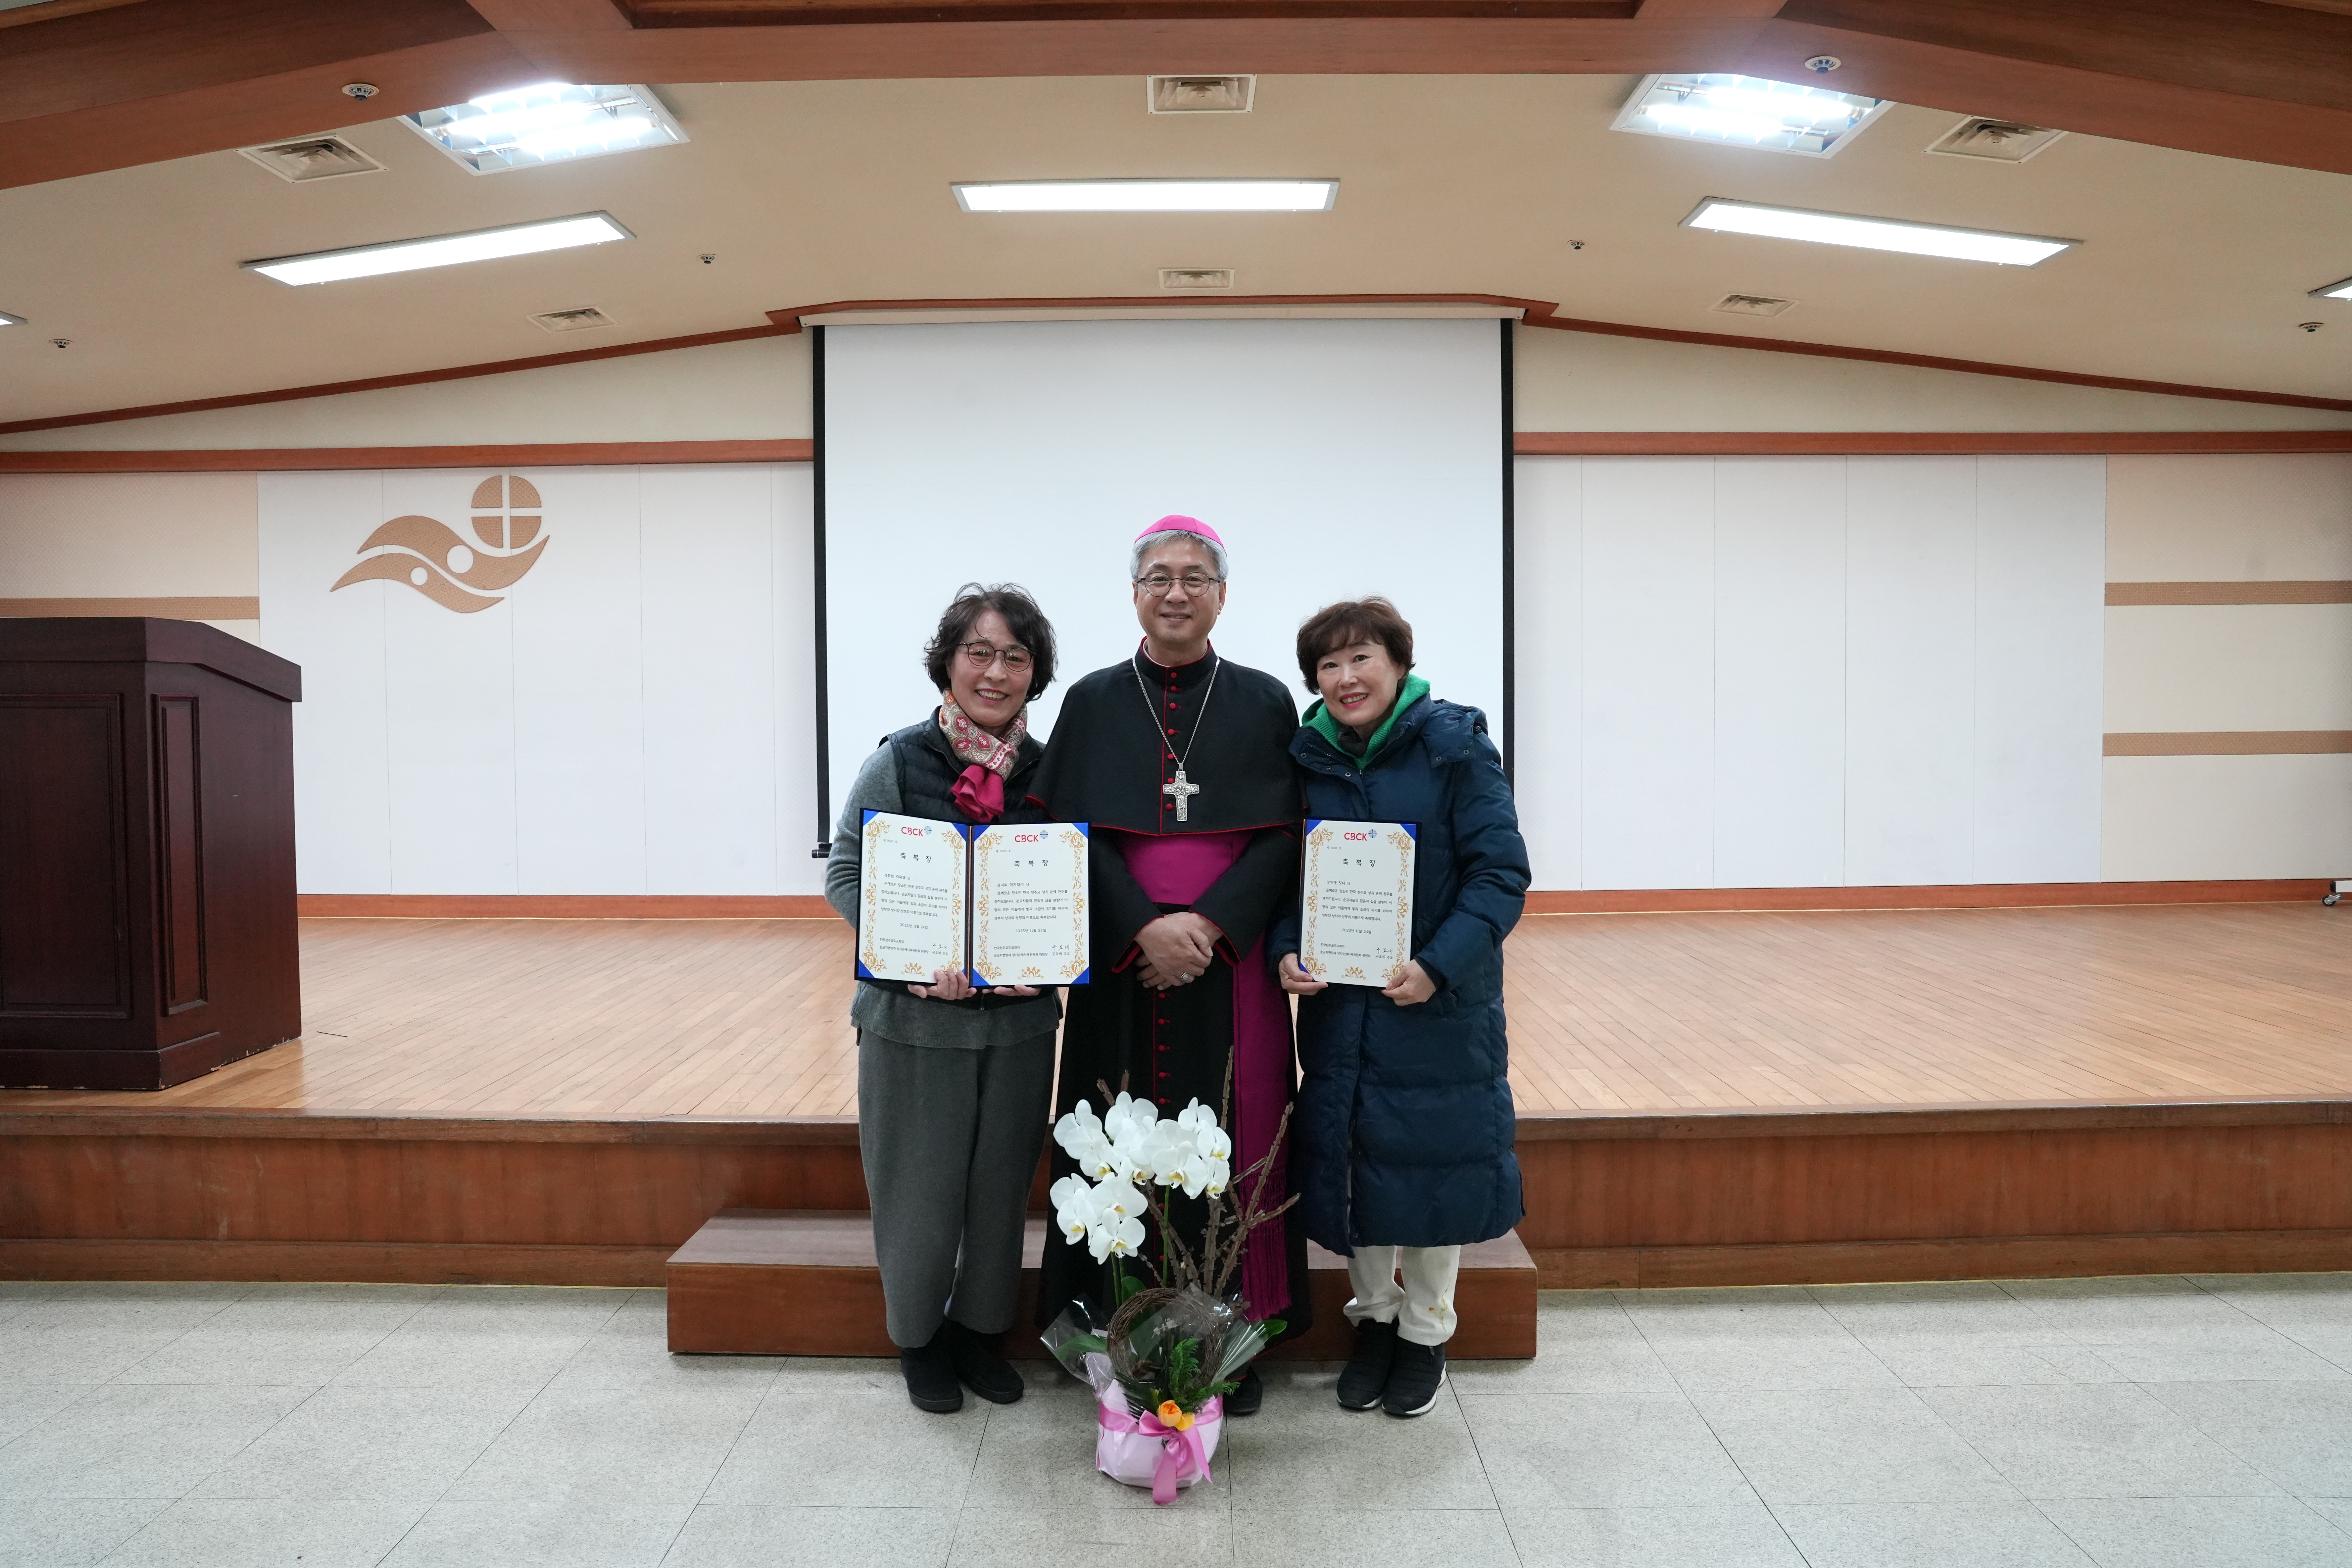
[(429, 556)]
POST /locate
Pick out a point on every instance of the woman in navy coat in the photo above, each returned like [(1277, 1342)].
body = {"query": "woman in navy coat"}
[(1402, 1136)]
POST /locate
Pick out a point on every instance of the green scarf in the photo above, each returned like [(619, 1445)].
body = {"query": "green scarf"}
[(1320, 719)]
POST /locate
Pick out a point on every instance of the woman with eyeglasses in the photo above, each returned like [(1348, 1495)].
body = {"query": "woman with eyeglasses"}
[(953, 1084)]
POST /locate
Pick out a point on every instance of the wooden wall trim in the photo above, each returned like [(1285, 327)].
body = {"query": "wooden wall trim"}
[(374, 1262), (2228, 742), (2281, 593), (1967, 896), (229, 608), (1920, 1120), (1970, 1257), (569, 906), (281, 459), (1538, 313), (1936, 361), (1879, 443), (424, 1127), (378, 382)]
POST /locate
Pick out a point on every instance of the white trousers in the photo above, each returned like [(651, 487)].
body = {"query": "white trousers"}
[(1422, 1305)]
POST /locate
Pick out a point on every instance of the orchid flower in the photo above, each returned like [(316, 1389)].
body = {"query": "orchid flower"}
[(1119, 1200), (1081, 1136), (1073, 1207)]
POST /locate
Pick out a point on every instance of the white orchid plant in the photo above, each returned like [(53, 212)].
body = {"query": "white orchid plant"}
[(1128, 1160), (1184, 1342)]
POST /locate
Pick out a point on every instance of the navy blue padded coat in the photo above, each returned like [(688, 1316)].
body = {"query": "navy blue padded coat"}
[(1403, 1131)]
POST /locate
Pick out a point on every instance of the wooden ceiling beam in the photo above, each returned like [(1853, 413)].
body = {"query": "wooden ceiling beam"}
[(162, 78)]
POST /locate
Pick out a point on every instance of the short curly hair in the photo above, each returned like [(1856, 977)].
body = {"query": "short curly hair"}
[(1348, 623), (1023, 618)]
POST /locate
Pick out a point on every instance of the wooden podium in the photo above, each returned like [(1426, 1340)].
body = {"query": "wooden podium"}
[(147, 928)]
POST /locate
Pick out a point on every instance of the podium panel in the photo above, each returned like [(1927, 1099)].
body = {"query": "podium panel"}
[(147, 917)]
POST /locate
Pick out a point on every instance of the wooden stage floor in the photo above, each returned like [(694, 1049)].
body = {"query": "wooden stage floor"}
[(1609, 1013)]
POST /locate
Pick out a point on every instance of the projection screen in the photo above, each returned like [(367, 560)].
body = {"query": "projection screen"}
[(1338, 458)]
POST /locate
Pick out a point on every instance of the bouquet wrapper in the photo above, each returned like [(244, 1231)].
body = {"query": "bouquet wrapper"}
[(1138, 1451)]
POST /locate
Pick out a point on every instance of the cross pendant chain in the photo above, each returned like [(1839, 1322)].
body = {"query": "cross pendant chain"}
[(1181, 792)]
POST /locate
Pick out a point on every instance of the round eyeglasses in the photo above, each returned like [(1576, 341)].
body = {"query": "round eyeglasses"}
[(980, 655), (1195, 584)]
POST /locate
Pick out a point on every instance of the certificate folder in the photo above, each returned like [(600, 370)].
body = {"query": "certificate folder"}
[(1356, 901), (1007, 903)]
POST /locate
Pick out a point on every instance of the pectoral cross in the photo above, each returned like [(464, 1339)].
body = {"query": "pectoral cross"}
[(1181, 792)]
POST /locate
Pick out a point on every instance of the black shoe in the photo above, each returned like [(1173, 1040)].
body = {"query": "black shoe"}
[(1367, 1372), (1244, 1400), (931, 1377), (973, 1356), (1414, 1380)]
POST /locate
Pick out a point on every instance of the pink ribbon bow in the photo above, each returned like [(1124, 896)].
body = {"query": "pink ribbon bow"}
[(1180, 1452), (979, 794)]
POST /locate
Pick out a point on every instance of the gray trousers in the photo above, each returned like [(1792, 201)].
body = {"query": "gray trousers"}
[(950, 1140)]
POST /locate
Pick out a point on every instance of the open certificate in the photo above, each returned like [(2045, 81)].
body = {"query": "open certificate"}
[(1357, 902), (912, 897), (1006, 904), (1029, 904)]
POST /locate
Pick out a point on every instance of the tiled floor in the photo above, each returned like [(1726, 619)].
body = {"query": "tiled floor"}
[(2125, 1422)]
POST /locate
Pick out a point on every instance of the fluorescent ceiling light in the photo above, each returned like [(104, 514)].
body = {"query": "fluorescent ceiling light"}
[(1747, 111), (8, 321), (446, 250), (546, 123), (2335, 291), (1148, 195), (1876, 233)]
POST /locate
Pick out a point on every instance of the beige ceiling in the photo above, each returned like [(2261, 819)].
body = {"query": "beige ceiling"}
[(2194, 269)]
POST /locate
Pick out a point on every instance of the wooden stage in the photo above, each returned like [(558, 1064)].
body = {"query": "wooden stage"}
[(1703, 1097)]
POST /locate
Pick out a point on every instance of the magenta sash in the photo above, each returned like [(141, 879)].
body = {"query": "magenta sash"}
[(1177, 868)]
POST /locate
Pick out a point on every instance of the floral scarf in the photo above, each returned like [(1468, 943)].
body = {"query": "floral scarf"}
[(979, 792)]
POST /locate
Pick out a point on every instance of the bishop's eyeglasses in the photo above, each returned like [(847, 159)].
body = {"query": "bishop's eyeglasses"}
[(980, 655), (1195, 584)]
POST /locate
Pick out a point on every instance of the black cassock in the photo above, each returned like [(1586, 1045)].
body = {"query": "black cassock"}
[(1233, 857)]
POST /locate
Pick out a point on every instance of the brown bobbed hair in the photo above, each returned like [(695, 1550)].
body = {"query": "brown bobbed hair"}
[(1026, 622), (1348, 623)]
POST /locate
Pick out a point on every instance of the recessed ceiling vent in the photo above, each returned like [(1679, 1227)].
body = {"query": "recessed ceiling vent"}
[(1200, 94), (580, 320), (1196, 278), (312, 158), (2001, 140), (1752, 305)]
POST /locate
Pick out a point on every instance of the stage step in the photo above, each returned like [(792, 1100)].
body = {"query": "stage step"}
[(803, 1282)]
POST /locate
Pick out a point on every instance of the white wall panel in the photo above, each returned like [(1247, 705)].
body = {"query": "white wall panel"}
[(2230, 667), (2195, 818), (1649, 673), (310, 525), (449, 712), (708, 574), (1910, 670), (2041, 596), (579, 691), (1779, 672), (1549, 513), (792, 498)]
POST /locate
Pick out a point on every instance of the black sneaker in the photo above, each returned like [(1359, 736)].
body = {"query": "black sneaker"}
[(1414, 1380), (1367, 1372), (931, 1376), (1244, 1400), (973, 1356)]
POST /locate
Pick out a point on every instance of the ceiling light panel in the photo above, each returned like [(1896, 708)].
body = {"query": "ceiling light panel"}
[(443, 251), (2335, 291), (1876, 233), (8, 321), (546, 123), (1747, 112), (1148, 195)]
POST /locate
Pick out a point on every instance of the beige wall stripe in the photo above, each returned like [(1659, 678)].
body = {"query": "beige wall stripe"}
[(2227, 742), (199, 609), (2305, 593)]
